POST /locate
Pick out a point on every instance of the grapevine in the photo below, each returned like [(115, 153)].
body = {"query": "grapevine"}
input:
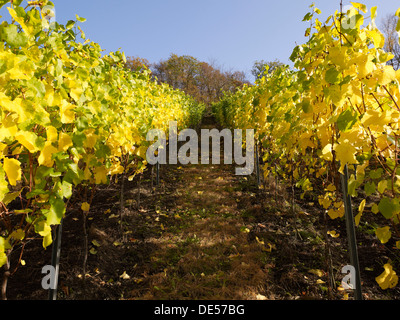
[(339, 106), (70, 119)]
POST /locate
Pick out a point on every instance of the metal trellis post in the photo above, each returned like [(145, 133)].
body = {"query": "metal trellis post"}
[(351, 233), (55, 261), (157, 173), (258, 166)]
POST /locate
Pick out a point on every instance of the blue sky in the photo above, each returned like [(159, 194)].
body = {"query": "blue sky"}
[(232, 33)]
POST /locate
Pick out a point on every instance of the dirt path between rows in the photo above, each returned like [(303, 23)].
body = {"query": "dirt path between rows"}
[(205, 251)]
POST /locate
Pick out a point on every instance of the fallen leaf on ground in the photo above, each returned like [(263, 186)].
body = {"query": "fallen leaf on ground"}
[(317, 272)]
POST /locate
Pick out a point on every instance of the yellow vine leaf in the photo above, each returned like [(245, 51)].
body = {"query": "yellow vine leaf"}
[(67, 113), (76, 93), (141, 152), (28, 29), (28, 140), (23, 70), (8, 127), (16, 235), (359, 6), (377, 38), (87, 174), (325, 201), (116, 169), (52, 134), (385, 75), (361, 207), (6, 102), (91, 138), (94, 106), (3, 185), (75, 89), (331, 188), (3, 259), (64, 142), (3, 245), (85, 207), (45, 157), (327, 152), (382, 185), (100, 175), (52, 98), (12, 167), (333, 234), (365, 65), (338, 56), (384, 234), (374, 13), (43, 229), (361, 168), (345, 153), (317, 272), (357, 219), (388, 279), (376, 119), (3, 150), (336, 213), (375, 208), (355, 95)]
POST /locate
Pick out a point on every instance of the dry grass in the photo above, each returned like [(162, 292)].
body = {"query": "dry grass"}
[(211, 257)]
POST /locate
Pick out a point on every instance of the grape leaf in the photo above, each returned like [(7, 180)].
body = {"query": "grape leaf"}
[(388, 279), (12, 168), (14, 38), (383, 234), (369, 188), (346, 120), (332, 76), (387, 207)]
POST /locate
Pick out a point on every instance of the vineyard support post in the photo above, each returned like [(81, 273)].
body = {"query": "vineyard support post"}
[(351, 233), (276, 182), (55, 260), (157, 173), (258, 166)]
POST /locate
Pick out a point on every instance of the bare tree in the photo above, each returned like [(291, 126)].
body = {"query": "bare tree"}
[(388, 28), (206, 82)]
